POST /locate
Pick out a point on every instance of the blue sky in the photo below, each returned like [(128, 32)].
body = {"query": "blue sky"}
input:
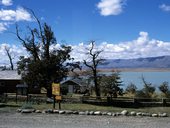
[(124, 28)]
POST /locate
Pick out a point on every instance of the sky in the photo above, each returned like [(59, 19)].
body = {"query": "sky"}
[(123, 29)]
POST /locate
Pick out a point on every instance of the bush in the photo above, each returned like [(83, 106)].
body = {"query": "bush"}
[(131, 88), (164, 88), (147, 91)]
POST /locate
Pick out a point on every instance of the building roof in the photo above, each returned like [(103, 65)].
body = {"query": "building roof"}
[(76, 81), (9, 75)]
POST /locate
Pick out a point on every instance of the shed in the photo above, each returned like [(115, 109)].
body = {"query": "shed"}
[(22, 89), (9, 79), (73, 86)]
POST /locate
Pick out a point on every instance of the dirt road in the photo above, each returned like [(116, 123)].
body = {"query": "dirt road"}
[(18, 120)]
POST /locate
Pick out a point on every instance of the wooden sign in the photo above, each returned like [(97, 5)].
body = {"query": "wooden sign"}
[(58, 98), (56, 89)]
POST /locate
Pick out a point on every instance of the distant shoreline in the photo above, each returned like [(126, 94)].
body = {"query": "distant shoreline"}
[(136, 70), (127, 70)]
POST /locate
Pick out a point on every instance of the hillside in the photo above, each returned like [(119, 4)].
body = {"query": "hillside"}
[(150, 62)]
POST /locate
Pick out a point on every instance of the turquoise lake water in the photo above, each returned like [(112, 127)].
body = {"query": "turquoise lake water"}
[(156, 78)]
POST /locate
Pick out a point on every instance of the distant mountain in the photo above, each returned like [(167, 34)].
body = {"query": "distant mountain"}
[(150, 62)]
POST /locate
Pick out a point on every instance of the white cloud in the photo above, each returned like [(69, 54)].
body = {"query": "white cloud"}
[(165, 7), (2, 27), (19, 14), (142, 46), (6, 2), (8, 17), (110, 7)]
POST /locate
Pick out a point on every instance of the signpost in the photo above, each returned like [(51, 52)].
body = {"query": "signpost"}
[(56, 94)]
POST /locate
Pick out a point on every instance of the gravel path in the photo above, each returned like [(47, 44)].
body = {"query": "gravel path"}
[(18, 120)]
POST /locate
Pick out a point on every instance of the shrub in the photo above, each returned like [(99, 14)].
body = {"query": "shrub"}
[(131, 88), (164, 88)]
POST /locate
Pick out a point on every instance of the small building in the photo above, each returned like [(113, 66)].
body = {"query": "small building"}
[(73, 86), (9, 79), (22, 89)]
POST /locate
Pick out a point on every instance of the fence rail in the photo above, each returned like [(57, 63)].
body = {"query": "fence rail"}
[(127, 102)]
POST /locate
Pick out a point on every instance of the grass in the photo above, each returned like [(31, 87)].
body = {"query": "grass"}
[(12, 106)]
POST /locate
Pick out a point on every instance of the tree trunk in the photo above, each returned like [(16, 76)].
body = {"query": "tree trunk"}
[(97, 89), (10, 58)]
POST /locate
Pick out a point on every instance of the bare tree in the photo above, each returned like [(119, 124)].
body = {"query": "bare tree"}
[(93, 63), (148, 89), (7, 49), (29, 43)]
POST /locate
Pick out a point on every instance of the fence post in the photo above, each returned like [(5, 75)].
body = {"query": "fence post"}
[(82, 99), (163, 102), (136, 102)]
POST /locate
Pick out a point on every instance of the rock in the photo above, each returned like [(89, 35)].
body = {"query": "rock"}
[(55, 111), (164, 115), (82, 113), (124, 112), (109, 114), (75, 112), (49, 111), (87, 113), (38, 111), (97, 113), (146, 114), (91, 112), (49, 100), (113, 114), (154, 115), (61, 112), (27, 110), (104, 113), (139, 114), (19, 110), (68, 112), (43, 111), (133, 113), (117, 114)]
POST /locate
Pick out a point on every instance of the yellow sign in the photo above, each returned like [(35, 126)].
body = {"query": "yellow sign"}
[(56, 89), (58, 97)]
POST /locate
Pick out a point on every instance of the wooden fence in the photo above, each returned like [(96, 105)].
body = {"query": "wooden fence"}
[(127, 102)]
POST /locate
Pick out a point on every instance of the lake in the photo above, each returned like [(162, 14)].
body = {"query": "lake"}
[(156, 78)]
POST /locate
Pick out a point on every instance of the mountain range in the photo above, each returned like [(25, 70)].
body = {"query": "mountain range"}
[(160, 62), (149, 62)]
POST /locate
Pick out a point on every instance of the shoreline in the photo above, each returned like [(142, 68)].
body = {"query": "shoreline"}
[(137, 70)]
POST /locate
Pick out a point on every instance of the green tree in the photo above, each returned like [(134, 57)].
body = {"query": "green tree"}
[(43, 66), (111, 85), (92, 63)]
